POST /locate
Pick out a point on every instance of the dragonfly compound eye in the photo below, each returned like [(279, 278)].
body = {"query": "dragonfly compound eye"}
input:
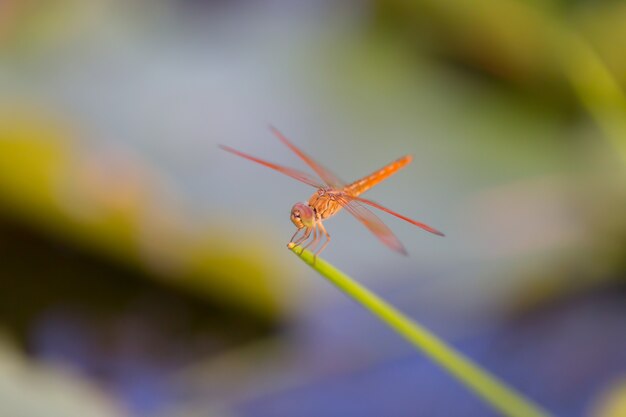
[(302, 215)]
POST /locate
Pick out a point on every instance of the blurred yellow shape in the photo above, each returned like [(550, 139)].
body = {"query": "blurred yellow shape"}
[(113, 203)]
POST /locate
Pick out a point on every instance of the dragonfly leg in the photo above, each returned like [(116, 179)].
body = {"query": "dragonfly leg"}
[(316, 237), (327, 239), (301, 239), (305, 236), (315, 242)]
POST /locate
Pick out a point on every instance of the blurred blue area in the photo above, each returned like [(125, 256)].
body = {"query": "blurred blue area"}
[(561, 357)]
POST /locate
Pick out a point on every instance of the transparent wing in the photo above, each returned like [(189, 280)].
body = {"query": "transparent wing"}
[(373, 223), (426, 227), (324, 173), (293, 173)]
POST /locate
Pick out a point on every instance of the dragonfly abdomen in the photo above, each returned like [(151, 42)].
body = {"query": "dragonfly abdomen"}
[(364, 184)]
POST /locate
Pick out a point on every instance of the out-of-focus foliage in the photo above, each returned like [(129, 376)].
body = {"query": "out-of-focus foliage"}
[(537, 48), (113, 203)]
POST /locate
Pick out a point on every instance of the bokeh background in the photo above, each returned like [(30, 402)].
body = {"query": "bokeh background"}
[(143, 271)]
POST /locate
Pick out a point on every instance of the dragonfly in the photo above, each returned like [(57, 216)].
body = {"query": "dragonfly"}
[(333, 195)]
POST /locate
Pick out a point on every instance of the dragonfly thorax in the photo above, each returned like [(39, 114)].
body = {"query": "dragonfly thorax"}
[(302, 215), (326, 202)]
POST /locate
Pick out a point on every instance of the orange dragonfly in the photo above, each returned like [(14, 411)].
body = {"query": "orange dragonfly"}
[(333, 195)]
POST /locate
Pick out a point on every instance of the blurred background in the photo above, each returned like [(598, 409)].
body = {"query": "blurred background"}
[(143, 271)]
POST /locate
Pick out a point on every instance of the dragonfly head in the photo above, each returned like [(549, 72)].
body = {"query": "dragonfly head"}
[(302, 215)]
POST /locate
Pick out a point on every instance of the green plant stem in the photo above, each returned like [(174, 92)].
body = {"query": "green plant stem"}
[(487, 386)]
